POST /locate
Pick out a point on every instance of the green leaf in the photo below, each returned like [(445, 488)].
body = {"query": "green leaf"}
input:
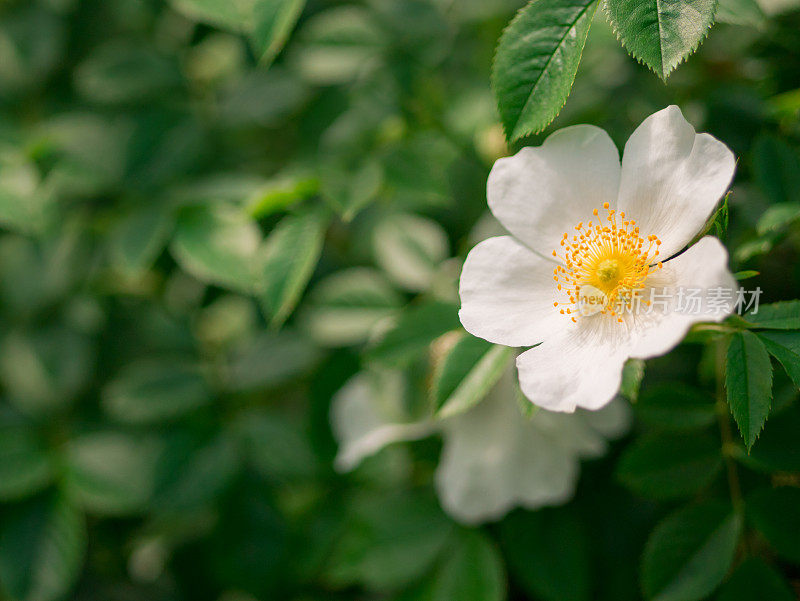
[(24, 203), (689, 553), (228, 14), (785, 347), (536, 62), (470, 570), (410, 249), (756, 579), (776, 168), (42, 546), (540, 561), (746, 274), (667, 467), (274, 21), (777, 449), (275, 446), (466, 374), (661, 33), (676, 406), (391, 540), (110, 473), (776, 316), (218, 245), (632, 376), (775, 513), (25, 466), (139, 238), (345, 307), (291, 253), (778, 217), (748, 380), (279, 195), (741, 12), (155, 390), (415, 329)]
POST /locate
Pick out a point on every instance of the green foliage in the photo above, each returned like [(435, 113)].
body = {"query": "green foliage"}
[(468, 371), (676, 406), (665, 467), (748, 380), (689, 552), (661, 35), (754, 579), (775, 513), (537, 59), (776, 316)]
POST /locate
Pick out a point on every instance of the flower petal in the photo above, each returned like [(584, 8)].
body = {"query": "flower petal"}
[(539, 193), (672, 178), (507, 294), (581, 367), (702, 268)]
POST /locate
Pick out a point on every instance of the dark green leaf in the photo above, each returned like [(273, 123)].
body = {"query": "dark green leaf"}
[(748, 380), (756, 579), (777, 449), (291, 253), (42, 546), (467, 373), (785, 347), (775, 513), (776, 168), (776, 316), (139, 238), (536, 62), (415, 329), (689, 553), (666, 467), (548, 554), (661, 34), (155, 390), (676, 406), (25, 465)]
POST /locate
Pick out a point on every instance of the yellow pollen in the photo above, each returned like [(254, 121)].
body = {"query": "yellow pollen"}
[(603, 266)]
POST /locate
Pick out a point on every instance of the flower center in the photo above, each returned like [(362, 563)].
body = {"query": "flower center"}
[(604, 265)]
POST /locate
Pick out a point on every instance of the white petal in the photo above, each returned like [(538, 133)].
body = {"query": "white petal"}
[(362, 428), (672, 178), (542, 192), (507, 294), (580, 367), (702, 268), (495, 459)]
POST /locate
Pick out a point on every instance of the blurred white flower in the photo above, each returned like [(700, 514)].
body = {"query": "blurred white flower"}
[(493, 458), (582, 271)]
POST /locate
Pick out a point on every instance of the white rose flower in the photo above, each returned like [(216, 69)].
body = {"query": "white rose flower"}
[(493, 458), (590, 273)]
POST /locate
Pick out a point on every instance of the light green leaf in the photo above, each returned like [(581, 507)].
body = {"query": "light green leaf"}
[(756, 579), (785, 347), (280, 194), (218, 245), (415, 329), (110, 473), (689, 552), (410, 248), (775, 513), (290, 254), (746, 274), (748, 380), (345, 307), (661, 33), (464, 377), (544, 566), (228, 14), (274, 21), (25, 466), (155, 390), (776, 316), (42, 547), (536, 62), (740, 12), (139, 237), (632, 376), (778, 217), (25, 204), (667, 467), (676, 406)]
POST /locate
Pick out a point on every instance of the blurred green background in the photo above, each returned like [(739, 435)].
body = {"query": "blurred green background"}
[(198, 249)]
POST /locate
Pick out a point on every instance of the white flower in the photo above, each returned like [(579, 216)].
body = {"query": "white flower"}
[(582, 272), (493, 458)]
